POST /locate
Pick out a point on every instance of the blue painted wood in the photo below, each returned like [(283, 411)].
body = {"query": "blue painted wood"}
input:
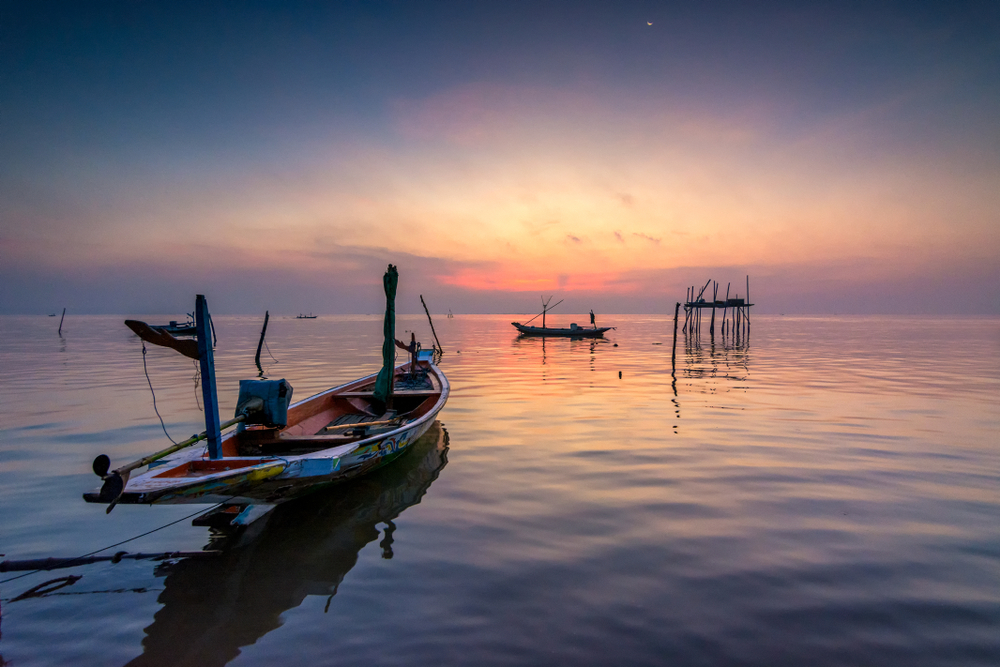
[(207, 362)]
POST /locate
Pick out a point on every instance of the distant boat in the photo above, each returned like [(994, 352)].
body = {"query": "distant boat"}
[(52, 314), (574, 331), (310, 316), (176, 328), (450, 316)]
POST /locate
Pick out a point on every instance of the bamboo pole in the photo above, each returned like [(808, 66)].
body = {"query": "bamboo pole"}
[(431, 323), (260, 343), (61, 321), (673, 353), (715, 297), (724, 309), (748, 302), (384, 422)]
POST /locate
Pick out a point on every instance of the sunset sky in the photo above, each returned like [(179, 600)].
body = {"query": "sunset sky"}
[(279, 155)]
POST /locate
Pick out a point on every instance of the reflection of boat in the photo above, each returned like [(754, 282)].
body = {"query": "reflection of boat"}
[(213, 607), (573, 331), (310, 316)]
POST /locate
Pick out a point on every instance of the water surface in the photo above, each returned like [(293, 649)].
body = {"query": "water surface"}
[(825, 493)]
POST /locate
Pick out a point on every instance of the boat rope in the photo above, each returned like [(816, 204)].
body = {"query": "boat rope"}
[(150, 382), (269, 352), (116, 544), (197, 386)]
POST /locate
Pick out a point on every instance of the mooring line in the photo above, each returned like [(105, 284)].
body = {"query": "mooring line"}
[(116, 544)]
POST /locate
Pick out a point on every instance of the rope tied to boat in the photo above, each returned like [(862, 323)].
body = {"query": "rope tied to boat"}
[(150, 382)]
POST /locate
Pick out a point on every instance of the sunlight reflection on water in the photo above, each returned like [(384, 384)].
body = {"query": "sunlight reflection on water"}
[(826, 494)]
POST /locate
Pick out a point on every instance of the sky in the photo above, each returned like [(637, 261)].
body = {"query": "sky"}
[(844, 156)]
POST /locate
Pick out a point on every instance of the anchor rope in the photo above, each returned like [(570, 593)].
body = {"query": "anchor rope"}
[(269, 352), (116, 544)]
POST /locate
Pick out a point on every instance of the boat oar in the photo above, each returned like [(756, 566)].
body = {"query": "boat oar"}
[(396, 420), (115, 481)]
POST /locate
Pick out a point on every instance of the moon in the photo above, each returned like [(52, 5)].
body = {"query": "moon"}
[(649, 23)]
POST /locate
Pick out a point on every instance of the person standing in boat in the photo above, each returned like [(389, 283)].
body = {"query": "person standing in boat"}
[(593, 322)]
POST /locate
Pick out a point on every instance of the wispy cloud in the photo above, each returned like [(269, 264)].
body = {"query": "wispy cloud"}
[(646, 237)]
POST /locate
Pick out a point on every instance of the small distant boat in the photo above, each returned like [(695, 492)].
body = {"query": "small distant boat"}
[(573, 331), (52, 314), (176, 328), (310, 316)]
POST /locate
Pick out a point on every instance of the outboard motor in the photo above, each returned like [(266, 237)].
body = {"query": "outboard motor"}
[(264, 402)]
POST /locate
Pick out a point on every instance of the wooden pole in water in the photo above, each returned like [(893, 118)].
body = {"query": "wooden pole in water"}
[(61, 321), (260, 343), (206, 361), (673, 353), (748, 302), (715, 297), (440, 349), (687, 309), (728, 285)]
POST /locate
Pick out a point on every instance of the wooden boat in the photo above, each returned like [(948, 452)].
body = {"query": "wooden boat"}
[(330, 437), (310, 316), (573, 331), (176, 328), (280, 451)]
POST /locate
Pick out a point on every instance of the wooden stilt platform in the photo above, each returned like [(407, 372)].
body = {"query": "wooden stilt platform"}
[(735, 316)]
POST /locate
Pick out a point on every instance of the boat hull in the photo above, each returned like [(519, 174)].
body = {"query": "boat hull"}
[(578, 332), (270, 478)]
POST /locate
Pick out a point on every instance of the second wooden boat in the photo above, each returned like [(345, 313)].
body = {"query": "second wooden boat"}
[(573, 331)]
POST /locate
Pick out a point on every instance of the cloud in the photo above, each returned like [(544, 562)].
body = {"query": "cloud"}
[(647, 237), (618, 235), (574, 239)]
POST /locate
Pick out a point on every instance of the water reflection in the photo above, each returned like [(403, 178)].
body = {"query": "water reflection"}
[(212, 608), (571, 343), (727, 357)]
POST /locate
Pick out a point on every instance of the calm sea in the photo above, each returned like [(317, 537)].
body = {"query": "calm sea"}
[(825, 493)]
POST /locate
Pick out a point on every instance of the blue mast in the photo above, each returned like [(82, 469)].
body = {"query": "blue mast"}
[(207, 362)]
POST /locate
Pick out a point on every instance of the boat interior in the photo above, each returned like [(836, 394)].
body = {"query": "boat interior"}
[(335, 418)]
